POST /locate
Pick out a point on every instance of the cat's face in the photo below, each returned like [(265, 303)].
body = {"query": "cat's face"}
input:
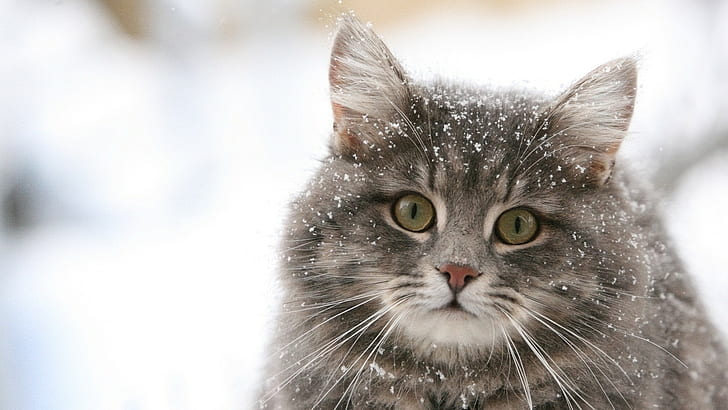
[(455, 216)]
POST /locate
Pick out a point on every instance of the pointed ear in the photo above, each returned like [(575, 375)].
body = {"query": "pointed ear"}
[(589, 121), (367, 85)]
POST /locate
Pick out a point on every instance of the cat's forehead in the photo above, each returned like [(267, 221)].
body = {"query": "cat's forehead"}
[(473, 115), (475, 136)]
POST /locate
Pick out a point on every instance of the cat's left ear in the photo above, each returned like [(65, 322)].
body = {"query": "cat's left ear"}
[(589, 121), (367, 84)]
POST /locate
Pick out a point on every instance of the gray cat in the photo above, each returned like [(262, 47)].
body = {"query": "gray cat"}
[(472, 248)]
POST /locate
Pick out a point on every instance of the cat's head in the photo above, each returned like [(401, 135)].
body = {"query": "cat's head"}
[(452, 215)]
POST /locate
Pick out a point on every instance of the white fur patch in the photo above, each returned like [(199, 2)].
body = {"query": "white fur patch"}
[(452, 328)]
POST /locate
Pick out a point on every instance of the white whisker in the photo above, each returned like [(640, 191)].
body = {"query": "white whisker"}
[(519, 367)]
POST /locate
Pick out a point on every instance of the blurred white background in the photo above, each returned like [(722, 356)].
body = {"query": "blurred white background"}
[(148, 149)]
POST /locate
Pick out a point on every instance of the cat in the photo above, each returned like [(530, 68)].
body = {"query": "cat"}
[(472, 248)]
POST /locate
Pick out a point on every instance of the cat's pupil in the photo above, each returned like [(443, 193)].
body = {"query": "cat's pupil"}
[(413, 211), (517, 224)]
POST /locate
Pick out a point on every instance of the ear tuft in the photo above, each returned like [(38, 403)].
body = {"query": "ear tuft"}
[(367, 84), (589, 121)]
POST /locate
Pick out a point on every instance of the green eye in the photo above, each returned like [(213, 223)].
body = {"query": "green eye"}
[(517, 226), (414, 212)]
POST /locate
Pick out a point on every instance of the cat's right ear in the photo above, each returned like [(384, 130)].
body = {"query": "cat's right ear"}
[(367, 85)]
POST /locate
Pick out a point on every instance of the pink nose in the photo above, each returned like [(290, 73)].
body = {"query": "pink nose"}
[(458, 275)]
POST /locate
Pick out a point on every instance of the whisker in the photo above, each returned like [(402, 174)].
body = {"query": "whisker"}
[(346, 371), (562, 380), (594, 347), (327, 321), (582, 356), (657, 346), (518, 363), (388, 327), (327, 348)]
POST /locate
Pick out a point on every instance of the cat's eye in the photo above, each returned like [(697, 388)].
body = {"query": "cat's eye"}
[(517, 226), (414, 212)]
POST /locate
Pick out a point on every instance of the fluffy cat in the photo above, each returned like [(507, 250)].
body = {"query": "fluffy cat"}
[(472, 248)]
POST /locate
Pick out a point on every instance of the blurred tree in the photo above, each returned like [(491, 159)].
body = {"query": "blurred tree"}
[(387, 11), (129, 16)]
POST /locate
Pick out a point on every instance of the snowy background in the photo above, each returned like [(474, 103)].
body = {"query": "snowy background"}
[(148, 149)]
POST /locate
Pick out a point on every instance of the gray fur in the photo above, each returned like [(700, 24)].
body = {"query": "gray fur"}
[(596, 313)]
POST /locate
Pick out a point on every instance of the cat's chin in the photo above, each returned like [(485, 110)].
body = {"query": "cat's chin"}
[(450, 327)]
